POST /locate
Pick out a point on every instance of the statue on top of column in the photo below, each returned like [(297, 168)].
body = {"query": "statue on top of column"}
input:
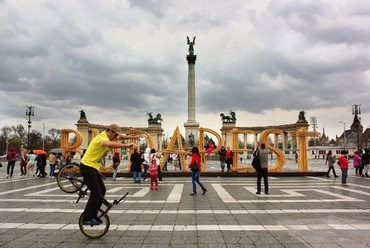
[(82, 114), (191, 46), (301, 116)]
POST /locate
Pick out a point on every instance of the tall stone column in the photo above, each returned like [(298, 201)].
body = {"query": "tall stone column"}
[(191, 125)]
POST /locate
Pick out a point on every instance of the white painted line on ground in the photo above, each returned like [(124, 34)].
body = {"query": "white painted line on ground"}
[(171, 228), (213, 212), (223, 194), (24, 189), (175, 195)]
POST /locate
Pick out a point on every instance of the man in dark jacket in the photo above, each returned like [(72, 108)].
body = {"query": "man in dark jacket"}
[(263, 154), (365, 160)]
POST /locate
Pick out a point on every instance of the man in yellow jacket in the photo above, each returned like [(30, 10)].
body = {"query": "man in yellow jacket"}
[(90, 164)]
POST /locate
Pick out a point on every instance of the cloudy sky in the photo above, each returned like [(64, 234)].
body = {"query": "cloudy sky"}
[(264, 59)]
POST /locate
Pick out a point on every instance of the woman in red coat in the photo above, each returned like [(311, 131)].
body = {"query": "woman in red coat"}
[(343, 164), (195, 158)]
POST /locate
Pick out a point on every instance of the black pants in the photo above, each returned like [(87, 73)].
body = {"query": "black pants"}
[(10, 168), (229, 162), (262, 173), (145, 173), (331, 168), (95, 183), (159, 174), (42, 172), (361, 169)]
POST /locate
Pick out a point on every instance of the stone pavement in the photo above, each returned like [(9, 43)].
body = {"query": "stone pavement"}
[(298, 212)]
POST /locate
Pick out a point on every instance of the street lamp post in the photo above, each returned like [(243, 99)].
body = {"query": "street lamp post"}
[(344, 134), (29, 112)]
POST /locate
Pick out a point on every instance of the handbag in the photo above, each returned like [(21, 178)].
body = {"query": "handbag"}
[(115, 165), (195, 167), (256, 163)]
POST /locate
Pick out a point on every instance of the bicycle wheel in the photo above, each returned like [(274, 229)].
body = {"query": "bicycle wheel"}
[(95, 232), (70, 179)]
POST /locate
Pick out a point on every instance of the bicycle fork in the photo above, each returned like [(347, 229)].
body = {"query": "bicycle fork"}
[(110, 205)]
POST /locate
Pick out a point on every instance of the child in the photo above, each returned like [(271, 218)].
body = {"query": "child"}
[(153, 171)]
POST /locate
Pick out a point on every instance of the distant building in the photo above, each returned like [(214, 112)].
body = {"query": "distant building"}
[(349, 140)]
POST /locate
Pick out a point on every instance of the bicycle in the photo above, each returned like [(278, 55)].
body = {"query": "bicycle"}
[(70, 180)]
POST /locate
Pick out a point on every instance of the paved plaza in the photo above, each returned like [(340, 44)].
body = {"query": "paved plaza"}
[(298, 212)]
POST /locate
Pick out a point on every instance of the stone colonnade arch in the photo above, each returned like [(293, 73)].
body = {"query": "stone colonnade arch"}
[(228, 137)]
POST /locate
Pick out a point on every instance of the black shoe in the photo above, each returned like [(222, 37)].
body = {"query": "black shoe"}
[(258, 193), (327, 176), (204, 191), (335, 176), (193, 193), (266, 193), (92, 222), (98, 220)]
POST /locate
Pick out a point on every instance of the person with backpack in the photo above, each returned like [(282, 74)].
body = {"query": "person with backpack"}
[(330, 160), (263, 154)]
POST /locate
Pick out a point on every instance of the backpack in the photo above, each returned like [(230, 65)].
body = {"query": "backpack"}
[(256, 162)]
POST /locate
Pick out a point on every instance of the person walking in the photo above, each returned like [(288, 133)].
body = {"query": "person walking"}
[(41, 164), (136, 166), (52, 161), (195, 159), (229, 158), (365, 160), (356, 162), (90, 165), (330, 160), (116, 162), (222, 154), (262, 152), (343, 164), (23, 162), (31, 163), (12, 158)]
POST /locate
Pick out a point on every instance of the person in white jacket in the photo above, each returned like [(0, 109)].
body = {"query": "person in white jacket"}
[(146, 163)]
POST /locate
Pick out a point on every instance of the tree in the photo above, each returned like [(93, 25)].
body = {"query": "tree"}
[(5, 136), (35, 140), (20, 132)]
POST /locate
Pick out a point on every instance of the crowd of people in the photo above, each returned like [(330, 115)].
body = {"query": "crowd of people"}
[(360, 162), (147, 164), (32, 164)]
